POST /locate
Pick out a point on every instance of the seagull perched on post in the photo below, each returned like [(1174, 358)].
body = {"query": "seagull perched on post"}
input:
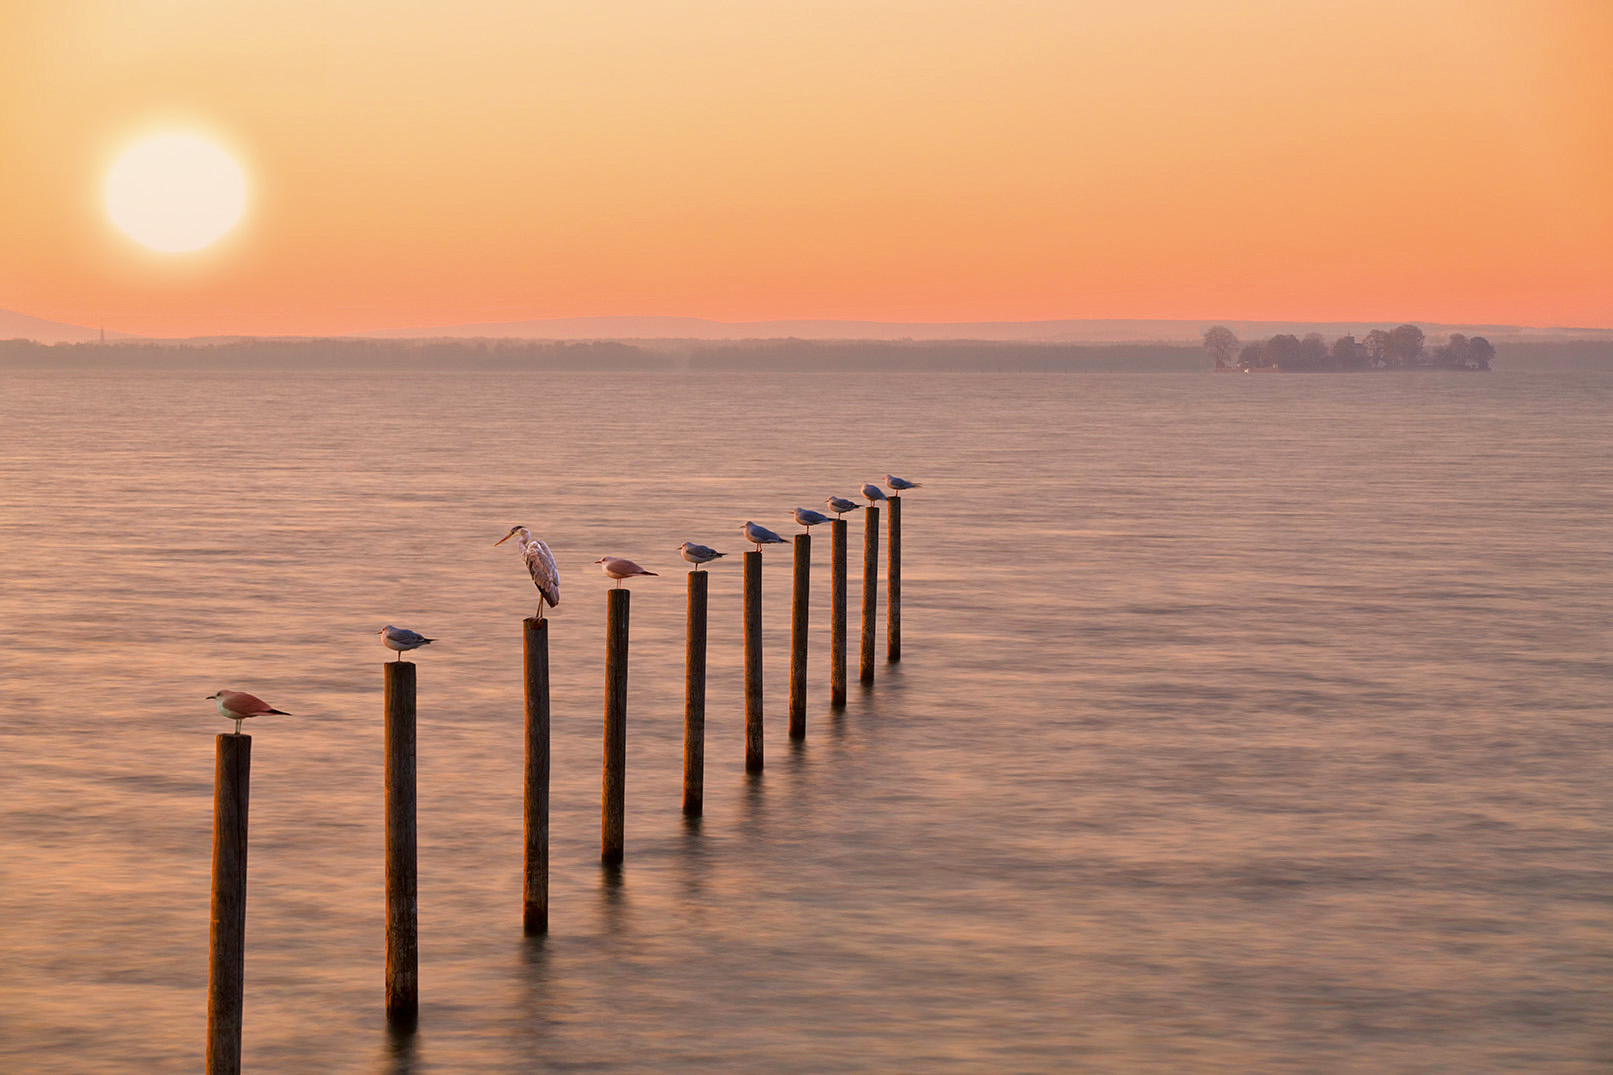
[(402, 639), (873, 493), (699, 554), (901, 485), (540, 562), (239, 705), (809, 518), (840, 505), (617, 568), (759, 535)]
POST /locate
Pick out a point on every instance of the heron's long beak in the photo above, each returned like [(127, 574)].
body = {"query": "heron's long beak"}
[(502, 540)]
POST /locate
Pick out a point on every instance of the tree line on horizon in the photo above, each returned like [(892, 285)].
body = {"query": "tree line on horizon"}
[(1401, 348)]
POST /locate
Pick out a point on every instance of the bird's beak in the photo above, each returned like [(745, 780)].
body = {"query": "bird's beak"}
[(502, 540)]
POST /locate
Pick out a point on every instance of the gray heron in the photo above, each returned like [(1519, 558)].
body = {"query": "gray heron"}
[(539, 562)]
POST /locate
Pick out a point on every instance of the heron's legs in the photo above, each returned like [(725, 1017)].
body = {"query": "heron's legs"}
[(238, 725)]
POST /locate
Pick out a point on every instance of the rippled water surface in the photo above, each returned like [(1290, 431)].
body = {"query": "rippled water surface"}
[(1244, 724)]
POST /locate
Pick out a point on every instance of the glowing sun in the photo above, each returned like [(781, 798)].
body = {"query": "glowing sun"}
[(175, 192)]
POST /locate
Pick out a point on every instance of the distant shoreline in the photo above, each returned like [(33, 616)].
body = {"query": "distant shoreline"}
[(695, 356)]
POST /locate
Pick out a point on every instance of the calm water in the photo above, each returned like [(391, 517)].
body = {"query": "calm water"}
[(1244, 724)]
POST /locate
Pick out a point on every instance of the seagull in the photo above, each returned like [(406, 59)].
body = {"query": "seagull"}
[(874, 493), (402, 639), (839, 505), (900, 484), (809, 518), (617, 568), (699, 554), (238, 705), (759, 535), (540, 562)]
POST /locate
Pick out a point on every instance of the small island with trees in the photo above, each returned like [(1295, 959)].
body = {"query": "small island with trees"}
[(1401, 348)]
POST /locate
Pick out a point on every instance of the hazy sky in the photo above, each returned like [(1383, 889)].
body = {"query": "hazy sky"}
[(481, 160)]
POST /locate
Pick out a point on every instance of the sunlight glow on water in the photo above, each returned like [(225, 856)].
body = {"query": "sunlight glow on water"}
[(1241, 726)]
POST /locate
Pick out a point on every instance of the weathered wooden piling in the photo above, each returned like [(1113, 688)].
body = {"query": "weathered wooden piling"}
[(753, 662), (799, 600), (535, 804), (402, 873), (694, 699), (613, 792), (893, 583), (226, 935), (837, 612), (870, 589)]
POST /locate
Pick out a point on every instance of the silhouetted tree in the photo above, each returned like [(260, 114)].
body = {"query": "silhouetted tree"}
[(1481, 352), (1406, 346), (1284, 352), (1452, 354), (1347, 354), (1377, 348), (1220, 342), (1312, 352)]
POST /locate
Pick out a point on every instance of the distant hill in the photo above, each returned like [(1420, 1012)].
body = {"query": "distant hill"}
[(14, 326), (1099, 330)]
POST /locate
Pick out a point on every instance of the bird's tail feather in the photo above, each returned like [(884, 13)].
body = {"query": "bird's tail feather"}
[(277, 713)]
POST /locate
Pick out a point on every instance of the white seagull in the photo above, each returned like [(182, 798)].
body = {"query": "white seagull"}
[(698, 554), (873, 493), (402, 639), (239, 705), (617, 568), (540, 562), (900, 484), (840, 505), (809, 518), (759, 535)]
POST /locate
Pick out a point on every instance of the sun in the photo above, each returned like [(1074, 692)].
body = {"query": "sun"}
[(175, 193)]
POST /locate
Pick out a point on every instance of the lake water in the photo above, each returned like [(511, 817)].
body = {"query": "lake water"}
[(1244, 723)]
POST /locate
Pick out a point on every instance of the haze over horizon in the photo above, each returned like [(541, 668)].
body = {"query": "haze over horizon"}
[(1064, 331), (1441, 161)]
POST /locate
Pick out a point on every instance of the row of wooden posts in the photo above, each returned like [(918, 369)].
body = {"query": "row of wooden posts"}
[(227, 958)]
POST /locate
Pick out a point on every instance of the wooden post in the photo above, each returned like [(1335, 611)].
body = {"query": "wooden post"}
[(402, 909), (870, 589), (753, 662), (694, 699), (226, 935), (613, 794), (535, 812), (893, 584), (799, 599), (837, 613)]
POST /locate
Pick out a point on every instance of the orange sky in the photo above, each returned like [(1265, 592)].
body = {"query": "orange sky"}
[(417, 164)]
